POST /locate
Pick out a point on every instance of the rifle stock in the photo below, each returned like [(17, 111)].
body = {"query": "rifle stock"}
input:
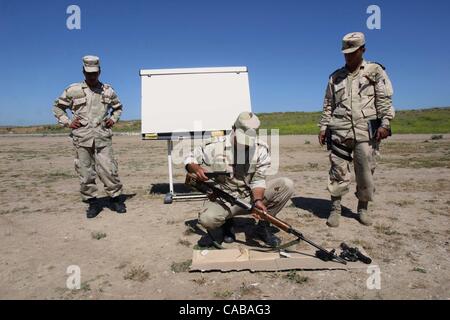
[(273, 220)]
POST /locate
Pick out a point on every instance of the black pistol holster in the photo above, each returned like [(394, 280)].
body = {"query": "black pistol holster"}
[(338, 149), (328, 138)]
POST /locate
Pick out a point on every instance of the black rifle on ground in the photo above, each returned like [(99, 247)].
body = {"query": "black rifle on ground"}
[(353, 254), (211, 190)]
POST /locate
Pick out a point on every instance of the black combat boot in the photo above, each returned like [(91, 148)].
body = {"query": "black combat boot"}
[(263, 232), (228, 231), (94, 208), (213, 238), (118, 205)]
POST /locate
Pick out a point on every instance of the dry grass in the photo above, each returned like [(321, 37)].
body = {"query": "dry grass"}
[(386, 230), (224, 294), (137, 274), (185, 243), (98, 235), (295, 277), (249, 289), (403, 203), (181, 266), (200, 281), (420, 270)]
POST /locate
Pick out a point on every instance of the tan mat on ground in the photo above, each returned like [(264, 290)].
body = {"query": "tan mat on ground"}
[(238, 259)]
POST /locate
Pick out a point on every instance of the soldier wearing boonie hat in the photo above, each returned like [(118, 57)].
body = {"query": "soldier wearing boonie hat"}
[(96, 108), (356, 116), (245, 128), (246, 159)]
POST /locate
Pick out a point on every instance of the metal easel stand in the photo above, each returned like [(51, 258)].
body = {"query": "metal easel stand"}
[(171, 195)]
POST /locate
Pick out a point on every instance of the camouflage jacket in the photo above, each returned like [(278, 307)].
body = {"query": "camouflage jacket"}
[(92, 107), (217, 154), (351, 99)]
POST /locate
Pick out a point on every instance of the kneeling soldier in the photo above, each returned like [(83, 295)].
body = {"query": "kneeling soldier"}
[(246, 159)]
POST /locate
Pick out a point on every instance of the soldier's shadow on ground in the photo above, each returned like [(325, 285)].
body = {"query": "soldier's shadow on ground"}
[(320, 207), (163, 188), (105, 202), (241, 224)]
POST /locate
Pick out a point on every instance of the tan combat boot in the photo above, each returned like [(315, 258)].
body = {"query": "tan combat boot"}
[(363, 213), (335, 213)]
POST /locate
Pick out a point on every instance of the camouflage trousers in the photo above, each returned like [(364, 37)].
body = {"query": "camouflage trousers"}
[(277, 194), (364, 160), (93, 161)]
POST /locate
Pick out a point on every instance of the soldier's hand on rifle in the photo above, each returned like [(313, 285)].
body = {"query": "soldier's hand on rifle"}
[(75, 124), (258, 204), (109, 123), (322, 137), (382, 133), (198, 170)]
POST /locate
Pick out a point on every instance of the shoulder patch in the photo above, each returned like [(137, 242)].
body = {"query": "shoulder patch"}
[(373, 71)]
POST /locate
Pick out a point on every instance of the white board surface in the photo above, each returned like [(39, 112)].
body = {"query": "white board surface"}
[(193, 99)]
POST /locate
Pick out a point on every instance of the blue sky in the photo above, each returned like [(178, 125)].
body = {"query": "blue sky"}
[(290, 48)]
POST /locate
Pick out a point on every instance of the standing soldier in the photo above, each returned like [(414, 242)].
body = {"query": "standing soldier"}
[(356, 116), (90, 102)]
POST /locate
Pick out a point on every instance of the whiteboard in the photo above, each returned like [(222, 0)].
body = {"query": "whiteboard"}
[(193, 99)]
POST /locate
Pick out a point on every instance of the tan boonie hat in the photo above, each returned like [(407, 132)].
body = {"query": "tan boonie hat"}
[(352, 42), (245, 127), (91, 63)]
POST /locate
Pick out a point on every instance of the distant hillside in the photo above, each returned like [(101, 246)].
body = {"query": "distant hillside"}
[(435, 120)]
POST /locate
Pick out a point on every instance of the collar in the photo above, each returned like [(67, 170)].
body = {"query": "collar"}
[(99, 85), (361, 66)]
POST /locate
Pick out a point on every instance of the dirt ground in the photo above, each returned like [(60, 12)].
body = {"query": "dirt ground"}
[(144, 253)]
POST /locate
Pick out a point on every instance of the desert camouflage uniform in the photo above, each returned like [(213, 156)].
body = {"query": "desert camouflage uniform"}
[(351, 99), (92, 141), (217, 155)]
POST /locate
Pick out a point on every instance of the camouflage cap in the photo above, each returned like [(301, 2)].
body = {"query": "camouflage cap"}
[(245, 128), (91, 63), (352, 42)]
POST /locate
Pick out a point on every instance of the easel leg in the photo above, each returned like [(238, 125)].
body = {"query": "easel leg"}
[(169, 196)]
